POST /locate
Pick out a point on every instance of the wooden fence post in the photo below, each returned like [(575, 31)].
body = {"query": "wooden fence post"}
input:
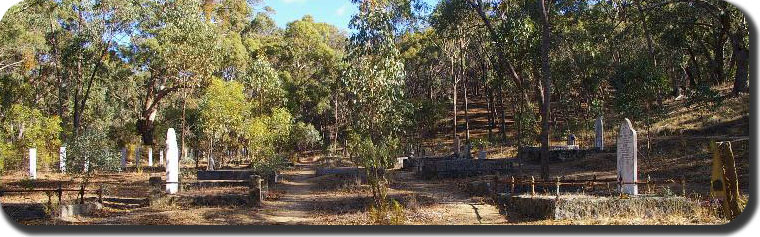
[(558, 183), (683, 186), (60, 192), (649, 186), (81, 194), (100, 194)]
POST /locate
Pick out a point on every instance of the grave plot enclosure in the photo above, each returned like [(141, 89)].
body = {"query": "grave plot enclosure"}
[(448, 168)]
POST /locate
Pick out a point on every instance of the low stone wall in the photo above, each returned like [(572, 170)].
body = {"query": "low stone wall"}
[(412, 163), (70, 211), (575, 207), (532, 155), (451, 168), (224, 174)]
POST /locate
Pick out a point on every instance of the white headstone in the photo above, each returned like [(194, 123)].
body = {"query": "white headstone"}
[(86, 164), (62, 159), (123, 158), (211, 163), (32, 163), (626, 158), (161, 158), (172, 162), (599, 131), (150, 156)]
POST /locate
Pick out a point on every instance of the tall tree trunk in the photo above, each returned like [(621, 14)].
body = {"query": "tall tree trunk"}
[(546, 90), (489, 100), (503, 113), (466, 105), (454, 103), (184, 127), (504, 67), (742, 57)]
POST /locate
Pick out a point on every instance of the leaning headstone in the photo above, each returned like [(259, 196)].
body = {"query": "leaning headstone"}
[(123, 158), (32, 163), (599, 132), (172, 162), (62, 159), (627, 169), (150, 156)]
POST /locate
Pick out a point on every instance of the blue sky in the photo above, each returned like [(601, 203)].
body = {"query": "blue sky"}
[(335, 12)]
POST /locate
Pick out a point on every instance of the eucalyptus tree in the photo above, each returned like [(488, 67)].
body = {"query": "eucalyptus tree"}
[(174, 48), (374, 86), (312, 55)]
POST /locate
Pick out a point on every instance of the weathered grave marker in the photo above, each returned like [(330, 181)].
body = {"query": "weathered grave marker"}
[(627, 169), (482, 154), (32, 163), (161, 158), (599, 131), (457, 147), (172, 162), (724, 184), (137, 158), (255, 193), (62, 159), (123, 158)]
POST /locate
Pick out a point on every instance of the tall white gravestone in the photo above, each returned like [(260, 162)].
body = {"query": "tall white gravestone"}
[(62, 159), (123, 158), (150, 156), (172, 162), (626, 158), (599, 131), (161, 158), (32, 163)]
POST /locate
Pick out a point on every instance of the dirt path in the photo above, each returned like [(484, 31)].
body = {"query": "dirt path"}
[(293, 207), (449, 205)]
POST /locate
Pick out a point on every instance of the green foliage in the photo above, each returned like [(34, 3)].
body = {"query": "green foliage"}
[(25, 128), (374, 80), (304, 137), (704, 95), (223, 110), (268, 139), (638, 85), (90, 152)]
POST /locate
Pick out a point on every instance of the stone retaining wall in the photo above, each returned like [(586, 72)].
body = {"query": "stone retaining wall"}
[(575, 207)]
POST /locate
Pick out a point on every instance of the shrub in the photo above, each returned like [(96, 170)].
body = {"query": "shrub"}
[(304, 136), (91, 151)]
